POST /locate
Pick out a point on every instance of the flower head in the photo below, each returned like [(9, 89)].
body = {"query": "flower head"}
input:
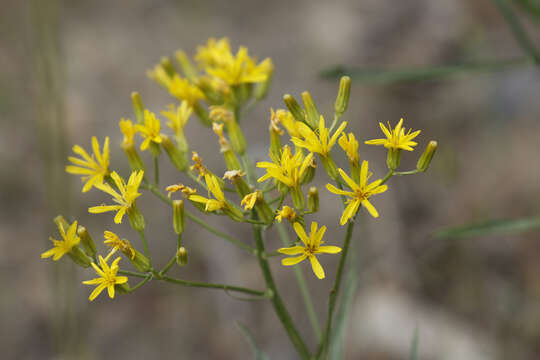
[(182, 89), (312, 246), (198, 165), (92, 168), (125, 199), (360, 193), (214, 53), (250, 199), (107, 279), (219, 202), (150, 130), (287, 120), (186, 190), (319, 143), (64, 246), (178, 116), (241, 68), (286, 212), (233, 175), (396, 138), (287, 169), (112, 240), (350, 146), (129, 130)]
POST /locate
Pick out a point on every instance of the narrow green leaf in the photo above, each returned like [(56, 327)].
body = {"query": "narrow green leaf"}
[(257, 353), (413, 353), (415, 74), (490, 227), (337, 340)]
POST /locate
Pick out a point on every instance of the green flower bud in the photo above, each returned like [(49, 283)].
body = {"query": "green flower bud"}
[(425, 159), (178, 158), (202, 114), (179, 217), (168, 66), (186, 66), (59, 220), (263, 209), (298, 198), (295, 108), (182, 256), (236, 136), (138, 107), (86, 241), (309, 174), (313, 199), (342, 100), (262, 88), (312, 114), (231, 160)]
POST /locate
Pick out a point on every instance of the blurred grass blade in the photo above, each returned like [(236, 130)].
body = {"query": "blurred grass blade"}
[(413, 354), (490, 227), (337, 341), (414, 74), (257, 353), (531, 7), (517, 29)]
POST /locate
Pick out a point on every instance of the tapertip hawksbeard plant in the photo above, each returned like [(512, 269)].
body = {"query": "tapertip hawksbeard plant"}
[(217, 88)]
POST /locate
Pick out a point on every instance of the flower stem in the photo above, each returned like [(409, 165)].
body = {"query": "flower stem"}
[(323, 346), (277, 302), (145, 246), (141, 283), (304, 290), (156, 170), (168, 266), (387, 176)]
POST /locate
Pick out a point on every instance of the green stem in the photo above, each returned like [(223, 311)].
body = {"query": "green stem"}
[(141, 283), (300, 279), (277, 302), (334, 123), (201, 222), (410, 172), (388, 176), (323, 346), (156, 170), (145, 246), (213, 286), (168, 266), (248, 165)]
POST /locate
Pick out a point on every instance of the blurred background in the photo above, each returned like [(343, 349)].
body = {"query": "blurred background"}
[(67, 71)]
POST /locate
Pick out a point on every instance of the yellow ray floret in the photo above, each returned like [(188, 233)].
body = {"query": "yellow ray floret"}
[(350, 146), (182, 89), (92, 168), (214, 53), (241, 69), (64, 246), (219, 201), (125, 199), (287, 169), (129, 130), (248, 202), (150, 130), (360, 193), (318, 141), (311, 247), (107, 278), (178, 116), (112, 240), (396, 138), (286, 212)]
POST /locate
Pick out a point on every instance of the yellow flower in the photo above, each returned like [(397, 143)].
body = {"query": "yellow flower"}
[(107, 279), (198, 165), (286, 212), (215, 53), (241, 69), (129, 130), (93, 170), (360, 193), (350, 146), (249, 200), (159, 75), (288, 169), (126, 198), (178, 117), (396, 138), (213, 186), (150, 129), (183, 90), (287, 120), (220, 114), (320, 143), (64, 246), (123, 245), (186, 190), (312, 246)]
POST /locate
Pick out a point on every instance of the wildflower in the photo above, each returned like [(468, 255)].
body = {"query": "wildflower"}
[(286, 119), (249, 200), (150, 129), (93, 169), (396, 138), (107, 279), (241, 69), (360, 193), (198, 165), (350, 146), (312, 246), (125, 199), (159, 75), (64, 246), (115, 243), (215, 53), (129, 130), (320, 143), (186, 190), (220, 114), (211, 204), (286, 212), (233, 174), (287, 169), (182, 89), (178, 117)]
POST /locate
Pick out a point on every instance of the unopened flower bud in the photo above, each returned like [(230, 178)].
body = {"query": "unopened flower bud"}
[(344, 93), (298, 198), (312, 114), (138, 107), (425, 159), (168, 66), (177, 157), (202, 114), (313, 199), (295, 108), (262, 88), (86, 241), (309, 174), (61, 222), (179, 217), (182, 256), (186, 66)]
